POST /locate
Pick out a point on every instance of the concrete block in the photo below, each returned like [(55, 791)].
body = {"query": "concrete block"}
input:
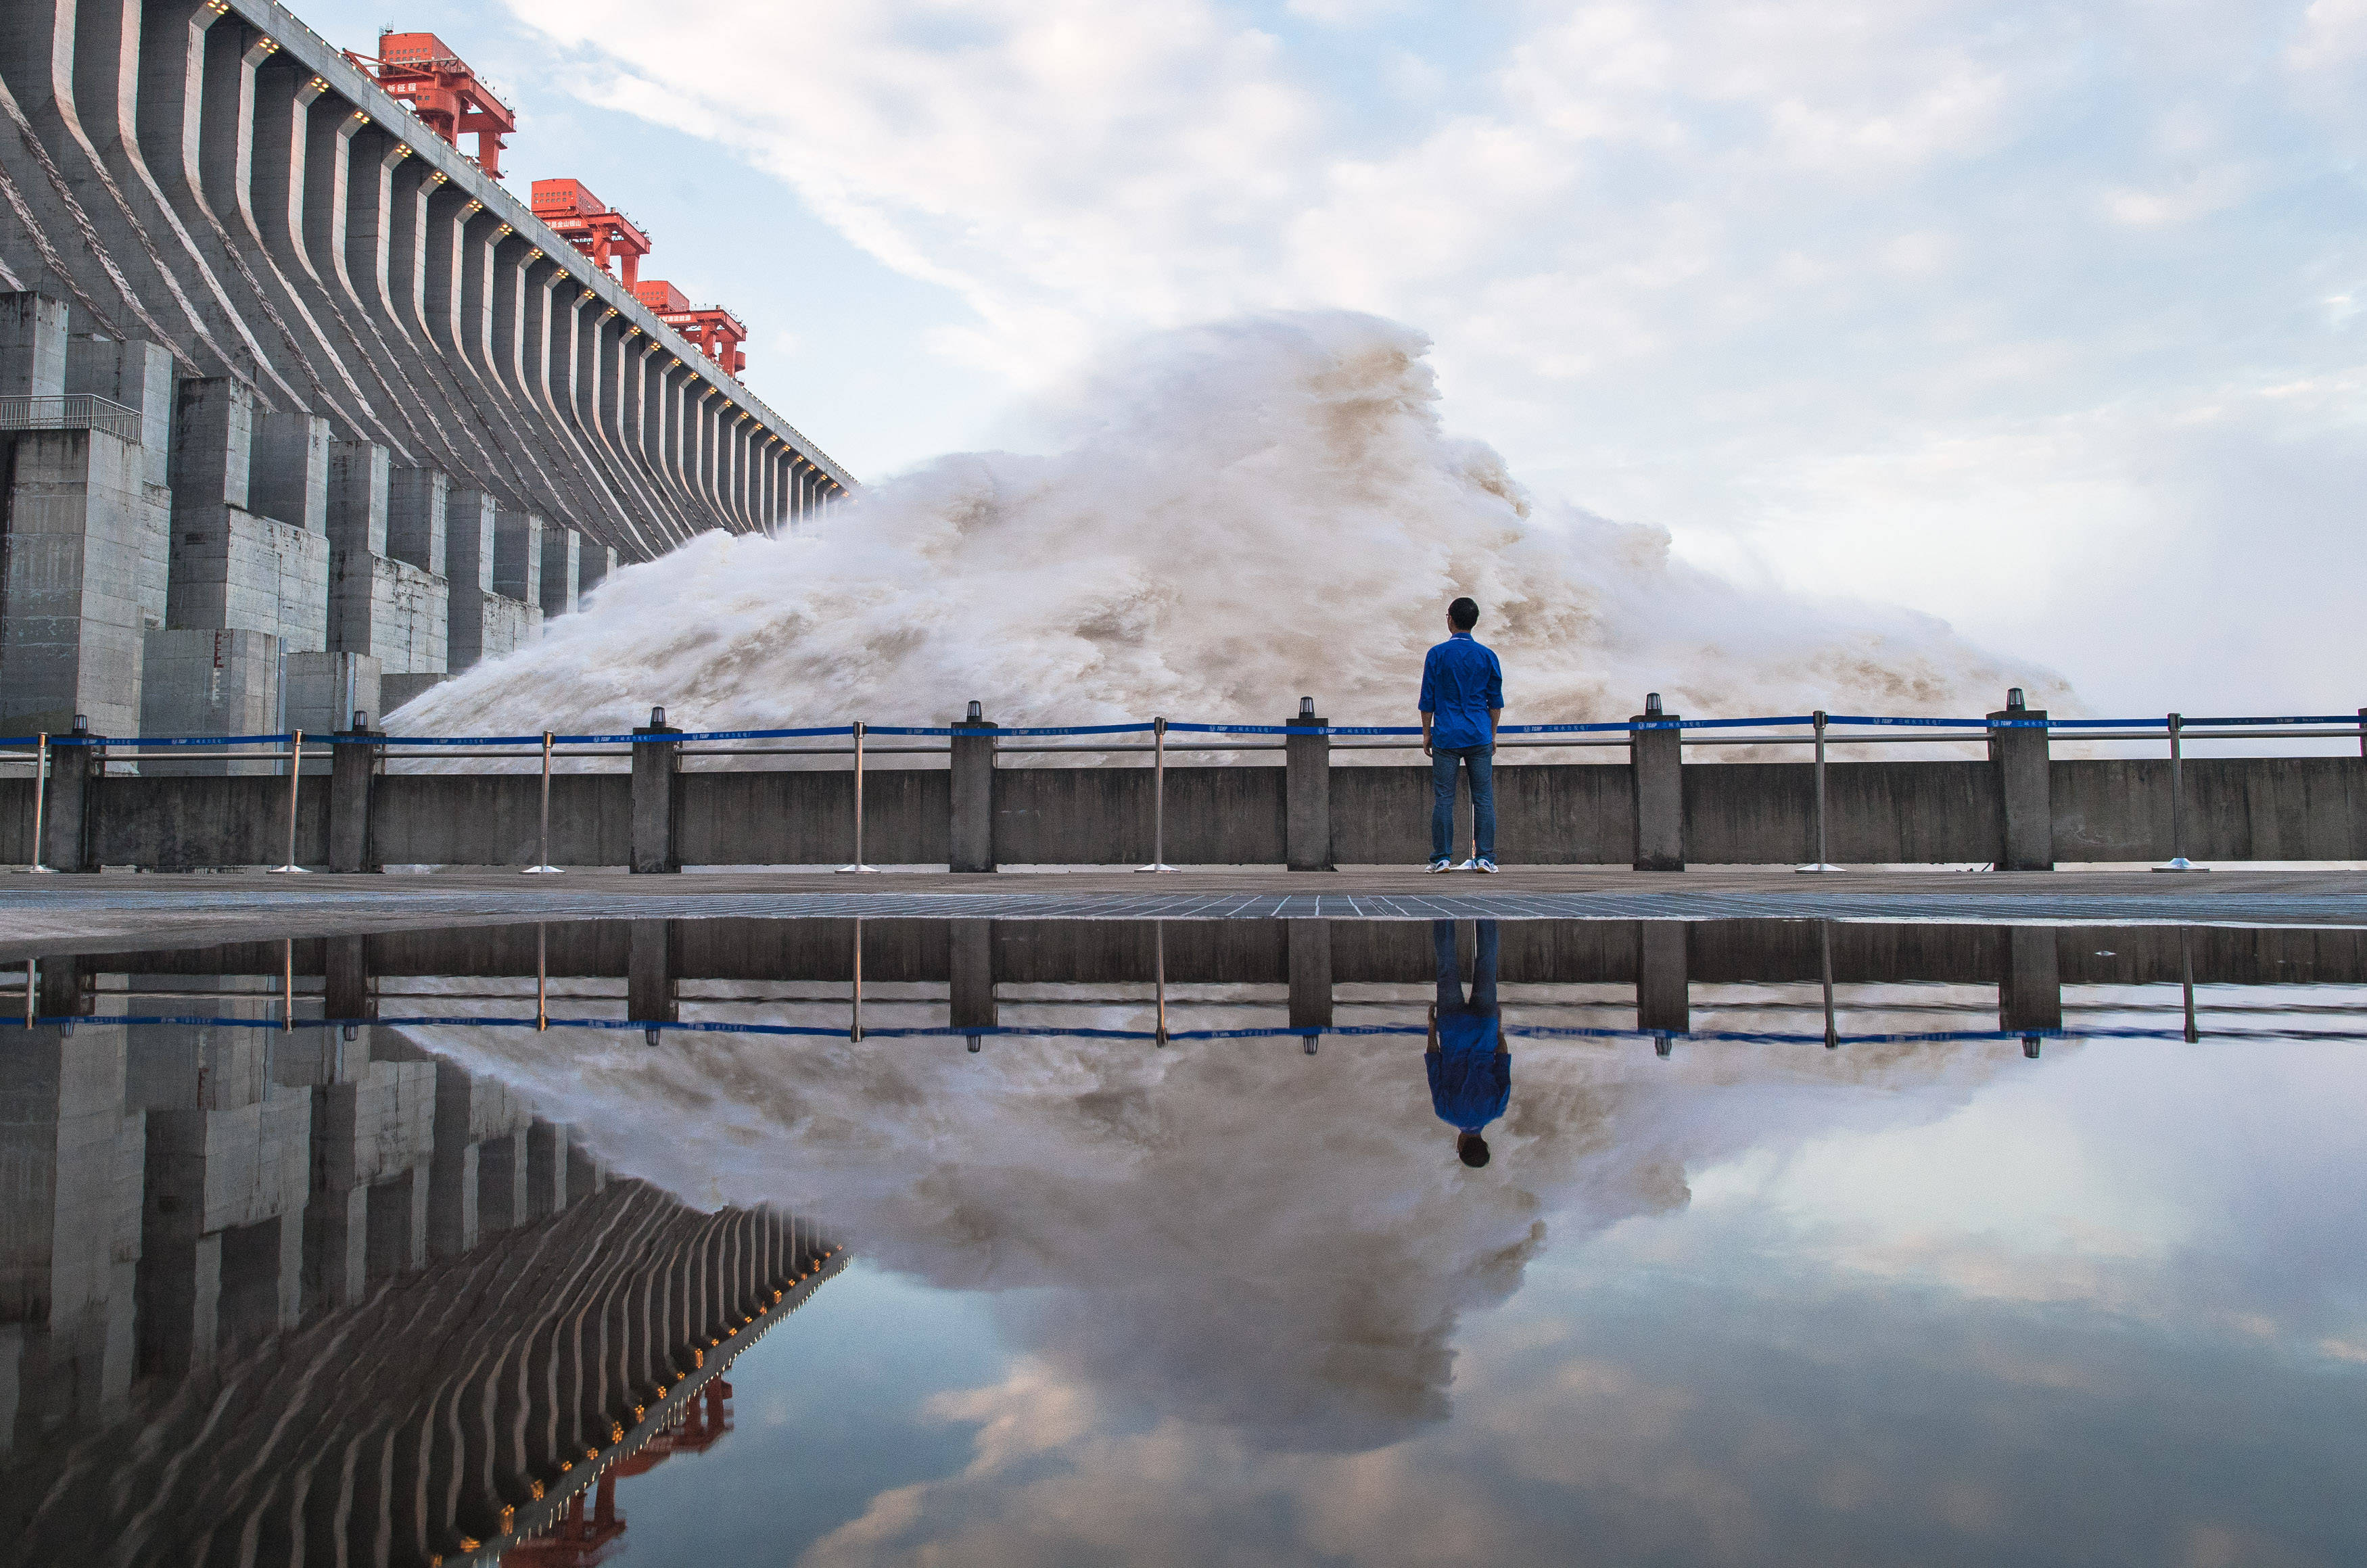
[(2018, 754), (289, 479), (1310, 973), (358, 493), (2030, 992), (657, 797), (971, 833), (32, 347), (79, 529), (469, 539), (325, 689), (138, 375), (70, 1230), (969, 946), (211, 682), (596, 565), (1655, 773), (391, 610), (395, 691), (517, 555), (650, 996), (213, 445), (1663, 994), (484, 625), (235, 570), (562, 569), (1307, 794), (418, 502)]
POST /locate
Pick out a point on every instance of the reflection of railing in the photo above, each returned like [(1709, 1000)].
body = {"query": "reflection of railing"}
[(74, 410)]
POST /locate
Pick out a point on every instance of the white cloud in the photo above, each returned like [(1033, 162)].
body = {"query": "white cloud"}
[(1874, 283)]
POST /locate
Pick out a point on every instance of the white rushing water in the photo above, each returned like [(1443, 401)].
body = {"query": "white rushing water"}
[(1242, 513)]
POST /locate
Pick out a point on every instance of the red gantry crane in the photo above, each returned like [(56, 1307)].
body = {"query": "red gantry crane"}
[(586, 222), (421, 69), (714, 331)]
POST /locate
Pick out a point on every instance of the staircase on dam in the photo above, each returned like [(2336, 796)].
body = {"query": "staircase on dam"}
[(302, 409)]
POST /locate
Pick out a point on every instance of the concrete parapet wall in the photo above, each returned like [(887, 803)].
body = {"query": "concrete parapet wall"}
[(193, 824), (495, 820), (1255, 952), (2236, 808), (1744, 814)]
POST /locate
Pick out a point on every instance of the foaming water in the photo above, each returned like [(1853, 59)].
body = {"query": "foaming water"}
[(1244, 514)]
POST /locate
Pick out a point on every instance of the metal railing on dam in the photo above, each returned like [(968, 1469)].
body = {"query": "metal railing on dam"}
[(716, 798)]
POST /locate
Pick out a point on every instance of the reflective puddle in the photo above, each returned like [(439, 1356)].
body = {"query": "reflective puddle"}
[(1101, 1242)]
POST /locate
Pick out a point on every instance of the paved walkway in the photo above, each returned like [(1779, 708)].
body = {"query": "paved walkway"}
[(59, 913)]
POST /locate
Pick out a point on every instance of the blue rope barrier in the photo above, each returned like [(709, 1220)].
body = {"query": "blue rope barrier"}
[(1538, 1032), (335, 738)]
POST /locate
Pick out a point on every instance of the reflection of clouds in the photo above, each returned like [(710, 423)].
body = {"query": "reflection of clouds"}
[(1890, 1303), (1234, 1233)]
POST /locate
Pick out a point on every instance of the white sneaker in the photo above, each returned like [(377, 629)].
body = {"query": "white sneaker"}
[(1442, 863), (1488, 866)]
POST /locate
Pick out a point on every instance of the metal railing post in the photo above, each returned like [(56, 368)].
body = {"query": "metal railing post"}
[(1158, 978), (542, 867), (1158, 802), (295, 778), (2186, 978), (543, 977), (858, 865), (1820, 864), (855, 1019), (1825, 947), (41, 800), (2178, 860)]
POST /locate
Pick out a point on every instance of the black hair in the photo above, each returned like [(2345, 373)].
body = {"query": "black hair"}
[(1473, 1148), (1463, 615)]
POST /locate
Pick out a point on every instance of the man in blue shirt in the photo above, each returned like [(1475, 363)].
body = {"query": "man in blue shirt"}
[(1462, 696), (1470, 1071)]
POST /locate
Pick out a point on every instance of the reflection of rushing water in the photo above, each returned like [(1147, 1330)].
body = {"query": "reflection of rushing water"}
[(1751, 1300)]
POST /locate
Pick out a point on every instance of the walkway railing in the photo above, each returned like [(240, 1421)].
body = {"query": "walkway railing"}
[(285, 752), (74, 410)]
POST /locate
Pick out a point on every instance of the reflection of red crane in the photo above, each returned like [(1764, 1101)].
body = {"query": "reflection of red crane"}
[(576, 1542), (712, 329), (422, 71), (584, 221)]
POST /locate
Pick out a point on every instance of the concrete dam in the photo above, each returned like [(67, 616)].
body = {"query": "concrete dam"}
[(302, 409)]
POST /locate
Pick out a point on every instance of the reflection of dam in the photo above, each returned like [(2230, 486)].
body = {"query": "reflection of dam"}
[(277, 1296)]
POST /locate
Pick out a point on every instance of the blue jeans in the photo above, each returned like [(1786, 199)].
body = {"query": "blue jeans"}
[(1480, 760), (1450, 969)]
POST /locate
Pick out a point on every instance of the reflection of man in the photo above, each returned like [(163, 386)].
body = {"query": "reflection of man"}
[(1470, 1071)]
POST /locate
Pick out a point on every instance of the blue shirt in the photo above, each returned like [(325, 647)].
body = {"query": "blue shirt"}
[(1470, 1079), (1460, 682)]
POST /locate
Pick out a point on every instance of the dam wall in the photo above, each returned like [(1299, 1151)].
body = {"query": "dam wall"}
[(287, 379)]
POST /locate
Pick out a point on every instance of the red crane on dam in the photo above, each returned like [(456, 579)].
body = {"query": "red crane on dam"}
[(717, 333), (438, 85), (589, 224), (421, 69)]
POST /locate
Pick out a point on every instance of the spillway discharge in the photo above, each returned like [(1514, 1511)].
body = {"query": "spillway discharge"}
[(1239, 514)]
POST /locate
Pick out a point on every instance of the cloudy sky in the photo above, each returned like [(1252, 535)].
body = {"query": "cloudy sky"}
[(2043, 318)]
